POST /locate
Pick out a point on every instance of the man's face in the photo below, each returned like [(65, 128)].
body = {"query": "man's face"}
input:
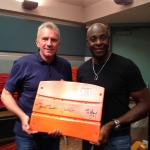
[(48, 42), (98, 41)]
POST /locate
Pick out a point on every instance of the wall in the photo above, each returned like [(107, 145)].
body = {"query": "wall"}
[(18, 38), (7, 59), (133, 41), (18, 35)]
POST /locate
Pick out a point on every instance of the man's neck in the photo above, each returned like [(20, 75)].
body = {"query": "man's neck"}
[(48, 59), (101, 60)]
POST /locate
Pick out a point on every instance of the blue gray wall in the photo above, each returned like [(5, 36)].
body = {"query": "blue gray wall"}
[(18, 35), (129, 40), (133, 41)]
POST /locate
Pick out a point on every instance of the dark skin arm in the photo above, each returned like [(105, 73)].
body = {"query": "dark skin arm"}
[(140, 110)]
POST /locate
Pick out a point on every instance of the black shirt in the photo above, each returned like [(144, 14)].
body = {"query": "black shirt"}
[(119, 77)]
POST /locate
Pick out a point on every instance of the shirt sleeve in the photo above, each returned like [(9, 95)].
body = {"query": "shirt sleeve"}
[(134, 78), (69, 74), (15, 77)]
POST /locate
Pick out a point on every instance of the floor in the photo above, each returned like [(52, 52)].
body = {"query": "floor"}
[(66, 144), (70, 144)]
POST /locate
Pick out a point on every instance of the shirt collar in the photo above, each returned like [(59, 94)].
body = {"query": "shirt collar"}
[(42, 61)]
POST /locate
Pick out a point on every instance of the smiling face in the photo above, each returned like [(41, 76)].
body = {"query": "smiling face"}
[(98, 41), (48, 43)]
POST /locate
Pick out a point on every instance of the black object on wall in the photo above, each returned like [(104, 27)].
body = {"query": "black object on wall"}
[(29, 5), (123, 2), (18, 35)]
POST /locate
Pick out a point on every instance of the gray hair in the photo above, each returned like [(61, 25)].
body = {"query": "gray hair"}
[(49, 25)]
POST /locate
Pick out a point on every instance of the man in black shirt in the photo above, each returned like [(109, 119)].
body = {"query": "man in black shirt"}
[(121, 79)]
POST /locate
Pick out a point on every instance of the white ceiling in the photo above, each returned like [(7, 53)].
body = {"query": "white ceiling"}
[(85, 11), (140, 14)]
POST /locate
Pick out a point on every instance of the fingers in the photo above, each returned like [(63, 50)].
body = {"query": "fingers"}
[(102, 140), (26, 128), (97, 143), (55, 133)]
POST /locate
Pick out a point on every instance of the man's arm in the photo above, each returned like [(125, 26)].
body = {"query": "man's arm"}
[(140, 110), (11, 105)]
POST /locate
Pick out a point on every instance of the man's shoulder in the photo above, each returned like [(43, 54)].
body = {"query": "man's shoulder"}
[(26, 58), (121, 59), (85, 65), (123, 63), (60, 59)]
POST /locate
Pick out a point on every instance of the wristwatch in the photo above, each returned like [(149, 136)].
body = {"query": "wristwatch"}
[(116, 123)]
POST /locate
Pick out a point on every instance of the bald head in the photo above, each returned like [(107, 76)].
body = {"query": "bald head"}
[(97, 27), (98, 41)]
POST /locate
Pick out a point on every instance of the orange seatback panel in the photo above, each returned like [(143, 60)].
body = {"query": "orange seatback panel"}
[(3, 78), (73, 108), (74, 73)]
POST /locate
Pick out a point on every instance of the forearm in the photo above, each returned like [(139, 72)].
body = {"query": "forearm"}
[(136, 113), (10, 103), (140, 110)]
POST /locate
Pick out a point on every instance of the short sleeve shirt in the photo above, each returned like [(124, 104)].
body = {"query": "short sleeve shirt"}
[(28, 71)]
